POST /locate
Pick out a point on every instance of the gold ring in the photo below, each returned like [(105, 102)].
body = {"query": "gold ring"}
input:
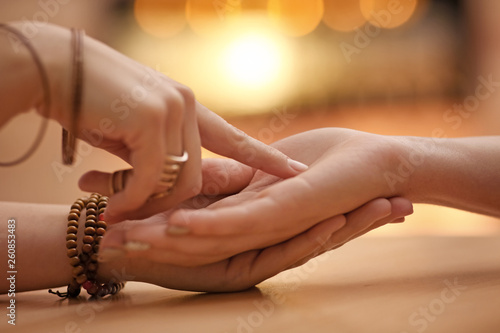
[(172, 167), (117, 181)]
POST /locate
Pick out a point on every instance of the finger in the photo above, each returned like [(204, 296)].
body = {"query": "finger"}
[(146, 158), (224, 139), (401, 207), (224, 176), (96, 181), (362, 218), (190, 179), (258, 215), (274, 259), (357, 222)]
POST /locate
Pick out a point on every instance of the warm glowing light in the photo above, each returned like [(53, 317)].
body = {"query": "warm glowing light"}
[(388, 13), (208, 18), (253, 60), (160, 18), (296, 17), (343, 15)]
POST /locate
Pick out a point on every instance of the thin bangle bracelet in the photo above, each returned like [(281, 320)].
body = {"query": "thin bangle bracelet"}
[(69, 137), (15, 34)]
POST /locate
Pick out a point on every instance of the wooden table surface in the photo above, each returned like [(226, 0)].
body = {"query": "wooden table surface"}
[(374, 284)]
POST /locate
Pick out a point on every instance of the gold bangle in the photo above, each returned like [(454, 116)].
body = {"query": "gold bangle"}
[(69, 137)]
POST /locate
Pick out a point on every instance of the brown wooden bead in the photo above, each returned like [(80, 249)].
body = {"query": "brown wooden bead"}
[(92, 267), (102, 210), (73, 289), (91, 217), (75, 210), (98, 239), (94, 257), (71, 237), (87, 248), (92, 224), (89, 231), (73, 223), (72, 252), (102, 224), (84, 257), (96, 248), (72, 230), (71, 244), (77, 270), (87, 239), (73, 216), (100, 231), (102, 204), (76, 206), (91, 211), (91, 205), (74, 261), (74, 284), (81, 203), (81, 278)]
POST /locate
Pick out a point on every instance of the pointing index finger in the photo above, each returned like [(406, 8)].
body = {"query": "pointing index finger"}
[(224, 139)]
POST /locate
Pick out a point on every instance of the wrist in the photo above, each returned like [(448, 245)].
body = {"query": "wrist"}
[(45, 40), (421, 171), (20, 88), (58, 65), (120, 270)]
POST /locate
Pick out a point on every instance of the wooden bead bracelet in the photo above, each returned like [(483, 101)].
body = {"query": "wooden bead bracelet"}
[(85, 264)]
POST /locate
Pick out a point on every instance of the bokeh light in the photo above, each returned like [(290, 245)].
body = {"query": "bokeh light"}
[(253, 60), (209, 18), (160, 18), (296, 17), (343, 15), (388, 13)]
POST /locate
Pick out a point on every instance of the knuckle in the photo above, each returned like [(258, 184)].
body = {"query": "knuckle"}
[(175, 104), (153, 118), (187, 93)]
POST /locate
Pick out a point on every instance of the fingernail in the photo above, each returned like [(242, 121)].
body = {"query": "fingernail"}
[(177, 230), (108, 255), (399, 220), (136, 246), (297, 166)]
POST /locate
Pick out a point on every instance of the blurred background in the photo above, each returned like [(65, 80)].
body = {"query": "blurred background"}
[(398, 67)]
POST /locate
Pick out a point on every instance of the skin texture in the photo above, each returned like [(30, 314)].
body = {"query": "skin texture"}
[(41, 262), (129, 110), (347, 169)]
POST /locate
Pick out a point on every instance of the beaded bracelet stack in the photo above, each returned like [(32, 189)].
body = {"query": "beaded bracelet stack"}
[(85, 264)]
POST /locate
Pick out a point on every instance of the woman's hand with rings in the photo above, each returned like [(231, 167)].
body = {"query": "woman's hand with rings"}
[(148, 120)]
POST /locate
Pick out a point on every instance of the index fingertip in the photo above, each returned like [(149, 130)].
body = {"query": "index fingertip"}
[(297, 166)]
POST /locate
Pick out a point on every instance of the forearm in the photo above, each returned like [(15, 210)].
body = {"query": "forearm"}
[(463, 173), (20, 84), (40, 248)]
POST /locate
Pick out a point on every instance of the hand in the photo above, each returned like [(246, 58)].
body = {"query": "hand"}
[(346, 171), (247, 269), (140, 115)]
